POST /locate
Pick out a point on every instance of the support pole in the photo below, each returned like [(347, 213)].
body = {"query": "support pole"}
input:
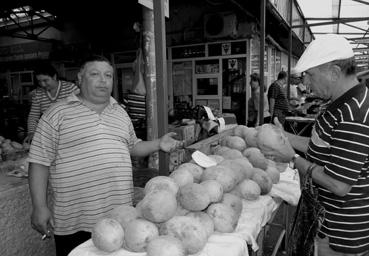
[(261, 60), (289, 52), (150, 81), (162, 80)]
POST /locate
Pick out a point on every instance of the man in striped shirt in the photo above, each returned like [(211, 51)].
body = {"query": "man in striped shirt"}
[(82, 147), (277, 96), (337, 152), (50, 90)]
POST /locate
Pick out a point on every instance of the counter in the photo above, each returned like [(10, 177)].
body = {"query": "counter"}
[(17, 236)]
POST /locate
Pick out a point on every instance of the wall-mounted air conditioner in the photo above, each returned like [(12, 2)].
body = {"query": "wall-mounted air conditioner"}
[(220, 25)]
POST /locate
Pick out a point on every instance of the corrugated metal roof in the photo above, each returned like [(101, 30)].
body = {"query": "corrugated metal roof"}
[(347, 17)]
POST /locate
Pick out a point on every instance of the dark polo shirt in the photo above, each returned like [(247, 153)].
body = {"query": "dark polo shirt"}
[(340, 143)]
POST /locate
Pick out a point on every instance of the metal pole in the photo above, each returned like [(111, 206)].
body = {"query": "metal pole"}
[(150, 81), (161, 78), (289, 52), (262, 51)]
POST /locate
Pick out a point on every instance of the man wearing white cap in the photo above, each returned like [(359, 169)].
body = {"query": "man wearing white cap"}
[(337, 152)]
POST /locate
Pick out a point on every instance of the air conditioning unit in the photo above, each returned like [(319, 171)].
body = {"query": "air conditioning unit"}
[(220, 25)]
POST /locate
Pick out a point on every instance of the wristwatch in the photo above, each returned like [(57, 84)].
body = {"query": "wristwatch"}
[(293, 160)]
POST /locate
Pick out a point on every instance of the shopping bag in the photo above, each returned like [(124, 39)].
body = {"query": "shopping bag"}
[(138, 82), (308, 218)]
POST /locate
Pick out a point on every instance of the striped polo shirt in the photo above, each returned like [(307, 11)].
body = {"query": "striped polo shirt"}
[(41, 102), (279, 94), (88, 155), (340, 143)]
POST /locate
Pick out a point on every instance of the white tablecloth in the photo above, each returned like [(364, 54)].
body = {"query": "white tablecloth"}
[(254, 216)]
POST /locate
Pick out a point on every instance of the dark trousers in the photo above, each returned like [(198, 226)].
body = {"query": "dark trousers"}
[(65, 244)]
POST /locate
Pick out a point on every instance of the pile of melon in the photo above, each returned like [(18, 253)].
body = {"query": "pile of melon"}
[(178, 213)]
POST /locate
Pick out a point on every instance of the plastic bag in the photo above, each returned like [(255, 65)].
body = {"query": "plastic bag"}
[(138, 82), (308, 218)]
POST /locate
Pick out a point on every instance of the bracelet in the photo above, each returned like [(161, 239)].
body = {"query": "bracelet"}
[(310, 169)]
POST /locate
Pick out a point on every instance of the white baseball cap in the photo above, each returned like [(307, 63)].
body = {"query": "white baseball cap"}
[(324, 49)]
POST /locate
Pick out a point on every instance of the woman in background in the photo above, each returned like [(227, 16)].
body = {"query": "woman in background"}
[(253, 119), (50, 90)]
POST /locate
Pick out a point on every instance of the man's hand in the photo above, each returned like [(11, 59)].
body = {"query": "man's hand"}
[(168, 144), (42, 221), (277, 123), (29, 138)]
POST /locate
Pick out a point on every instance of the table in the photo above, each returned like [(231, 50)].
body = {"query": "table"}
[(293, 122), (254, 217)]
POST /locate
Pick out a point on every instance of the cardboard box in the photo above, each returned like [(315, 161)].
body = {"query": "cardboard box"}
[(185, 133)]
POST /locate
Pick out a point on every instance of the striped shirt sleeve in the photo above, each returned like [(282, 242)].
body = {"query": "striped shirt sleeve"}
[(349, 149), (43, 147)]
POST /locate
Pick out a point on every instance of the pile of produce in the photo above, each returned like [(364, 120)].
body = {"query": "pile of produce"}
[(12, 150), (13, 157), (178, 213)]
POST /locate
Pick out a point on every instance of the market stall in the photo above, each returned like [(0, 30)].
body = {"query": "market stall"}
[(255, 215)]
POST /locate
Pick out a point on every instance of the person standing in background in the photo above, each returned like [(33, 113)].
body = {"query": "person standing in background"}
[(277, 96), (50, 90), (253, 105)]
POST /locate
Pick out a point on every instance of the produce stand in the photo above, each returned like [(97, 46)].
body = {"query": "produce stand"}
[(252, 223)]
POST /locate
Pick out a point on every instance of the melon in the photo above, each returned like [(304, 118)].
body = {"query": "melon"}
[(248, 189), (160, 183), (188, 230), (219, 150), (217, 158), (107, 235), (246, 167), (205, 220), (138, 233), (222, 174), (214, 189), (232, 154), (273, 173), (235, 167), (240, 130), (194, 169), (224, 218), (234, 142), (250, 136), (256, 158), (271, 138), (165, 246), (193, 197), (232, 201), (180, 210), (158, 206), (124, 214), (264, 181), (182, 177)]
